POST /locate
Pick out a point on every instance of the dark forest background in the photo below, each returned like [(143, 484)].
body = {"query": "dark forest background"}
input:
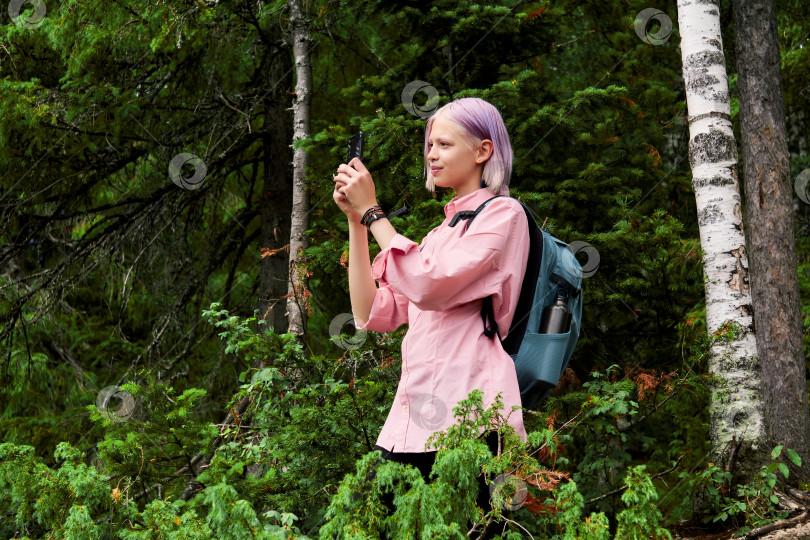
[(150, 387)]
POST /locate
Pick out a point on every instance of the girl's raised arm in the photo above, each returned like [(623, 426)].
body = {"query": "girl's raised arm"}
[(361, 285)]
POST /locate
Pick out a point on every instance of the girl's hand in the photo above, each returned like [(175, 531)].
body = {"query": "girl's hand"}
[(356, 186), (343, 203)]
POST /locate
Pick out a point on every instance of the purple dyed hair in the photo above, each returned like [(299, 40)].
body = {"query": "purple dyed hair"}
[(478, 120)]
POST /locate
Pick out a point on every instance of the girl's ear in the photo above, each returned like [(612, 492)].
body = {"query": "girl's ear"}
[(485, 149)]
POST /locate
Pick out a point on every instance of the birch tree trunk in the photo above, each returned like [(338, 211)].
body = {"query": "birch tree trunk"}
[(278, 204), (298, 301), (738, 434), (769, 213)]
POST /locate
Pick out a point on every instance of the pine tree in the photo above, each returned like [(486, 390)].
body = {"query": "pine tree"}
[(772, 247)]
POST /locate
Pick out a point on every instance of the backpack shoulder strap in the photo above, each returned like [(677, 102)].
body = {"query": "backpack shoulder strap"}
[(487, 311), (470, 214)]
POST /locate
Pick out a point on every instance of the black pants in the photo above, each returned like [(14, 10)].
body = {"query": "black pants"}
[(424, 462)]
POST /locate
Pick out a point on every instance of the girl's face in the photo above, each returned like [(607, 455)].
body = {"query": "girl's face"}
[(452, 162)]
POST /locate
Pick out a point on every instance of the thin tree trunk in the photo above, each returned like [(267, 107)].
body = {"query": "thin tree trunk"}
[(737, 425), (769, 213), (297, 301), (275, 168)]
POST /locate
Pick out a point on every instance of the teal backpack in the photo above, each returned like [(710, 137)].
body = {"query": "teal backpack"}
[(540, 359)]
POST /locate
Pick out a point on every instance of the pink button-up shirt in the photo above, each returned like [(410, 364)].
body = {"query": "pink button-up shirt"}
[(437, 289)]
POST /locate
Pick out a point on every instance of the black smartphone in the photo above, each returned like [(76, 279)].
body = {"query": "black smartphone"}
[(355, 148)]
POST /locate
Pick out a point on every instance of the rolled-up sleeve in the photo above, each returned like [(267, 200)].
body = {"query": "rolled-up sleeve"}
[(389, 311), (465, 269)]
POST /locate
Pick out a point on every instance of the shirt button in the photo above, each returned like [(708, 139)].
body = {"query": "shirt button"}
[(404, 406)]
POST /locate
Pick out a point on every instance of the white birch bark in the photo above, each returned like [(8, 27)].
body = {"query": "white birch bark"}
[(297, 300), (736, 408)]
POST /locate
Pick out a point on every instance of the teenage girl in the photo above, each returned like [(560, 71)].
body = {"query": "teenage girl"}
[(437, 287)]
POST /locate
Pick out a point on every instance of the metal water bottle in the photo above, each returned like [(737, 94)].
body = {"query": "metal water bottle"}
[(557, 316)]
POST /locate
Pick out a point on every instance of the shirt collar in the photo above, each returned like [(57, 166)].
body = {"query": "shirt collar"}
[(471, 201)]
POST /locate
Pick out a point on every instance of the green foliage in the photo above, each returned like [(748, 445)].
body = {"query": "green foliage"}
[(710, 482), (301, 409), (432, 510), (300, 419), (568, 522), (75, 501), (318, 408), (641, 519), (760, 500), (755, 501), (160, 438), (34, 494)]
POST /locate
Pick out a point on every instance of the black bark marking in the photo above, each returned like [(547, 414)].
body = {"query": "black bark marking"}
[(699, 80), (702, 60), (713, 11), (712, 147), (710, 214), (698, 183)]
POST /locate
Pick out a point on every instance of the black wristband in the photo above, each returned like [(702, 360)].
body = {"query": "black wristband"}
[(374, 210), (371, 218)]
